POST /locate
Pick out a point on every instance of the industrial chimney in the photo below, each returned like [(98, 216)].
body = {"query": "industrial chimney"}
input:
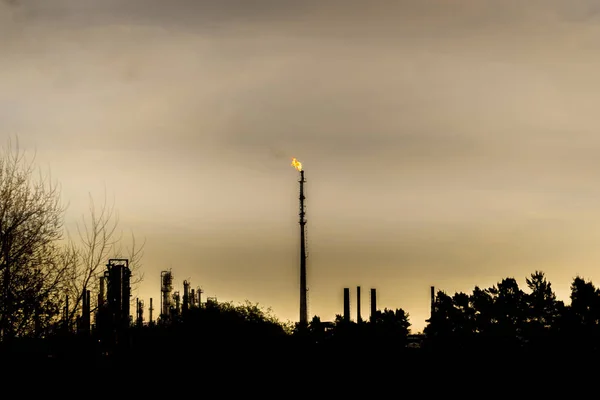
[(186, 296), (373, 304), (358, 317), (347, 304), (432, 300)]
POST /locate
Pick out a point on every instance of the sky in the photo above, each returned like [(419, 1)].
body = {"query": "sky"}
[(446, 143)]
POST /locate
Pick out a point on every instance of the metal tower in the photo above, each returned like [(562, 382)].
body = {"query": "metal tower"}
[(302, 222)]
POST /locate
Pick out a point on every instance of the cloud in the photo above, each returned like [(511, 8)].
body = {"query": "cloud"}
[(413, 83)]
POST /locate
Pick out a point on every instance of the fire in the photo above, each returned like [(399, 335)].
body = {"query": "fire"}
[(296, 164)]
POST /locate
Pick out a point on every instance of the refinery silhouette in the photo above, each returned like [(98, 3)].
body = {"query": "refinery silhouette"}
[(105, 330)]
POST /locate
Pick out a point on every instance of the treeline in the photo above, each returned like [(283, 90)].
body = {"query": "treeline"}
[(249, 332), (505, 317), (502, 319)]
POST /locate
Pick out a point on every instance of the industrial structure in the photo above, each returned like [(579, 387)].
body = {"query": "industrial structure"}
[(174, 303), (139, 313), (199, 292), (346, 304), (113, 317), (358, 316), (84, 322), (432, 300), (118, 276), (177, 308), (303, 287), (166, 287), (113, 313), (186, 296), (347, 313), (373, 304)]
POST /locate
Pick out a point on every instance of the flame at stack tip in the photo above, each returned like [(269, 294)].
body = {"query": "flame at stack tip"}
[(296, 164)]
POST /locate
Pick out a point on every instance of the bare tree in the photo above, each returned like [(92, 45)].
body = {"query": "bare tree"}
[(99, 240), (33, 264)]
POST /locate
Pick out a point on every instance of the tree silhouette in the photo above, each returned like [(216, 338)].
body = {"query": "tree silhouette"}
[(43, 274), (32, 263), (543, 311), (390, 327), (316, 330)]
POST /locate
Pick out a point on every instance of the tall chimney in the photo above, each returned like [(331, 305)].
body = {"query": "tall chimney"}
[(186, 296), (303, 289), (358, 317), (347, 304), (373, 304), (150, 312), (432, 301)]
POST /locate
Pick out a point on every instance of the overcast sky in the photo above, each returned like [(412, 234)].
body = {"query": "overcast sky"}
[(446, 143)]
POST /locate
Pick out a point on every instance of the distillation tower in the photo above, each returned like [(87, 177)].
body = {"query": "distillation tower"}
[(166, 287)]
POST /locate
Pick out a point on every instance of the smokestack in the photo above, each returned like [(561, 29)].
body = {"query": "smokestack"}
[(347, 304), (432, 300), (186, 296), (373, 304), (303, 289), (150, 312), (358, 317)]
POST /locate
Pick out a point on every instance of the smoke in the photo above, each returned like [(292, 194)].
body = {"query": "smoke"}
[(279, 153)]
